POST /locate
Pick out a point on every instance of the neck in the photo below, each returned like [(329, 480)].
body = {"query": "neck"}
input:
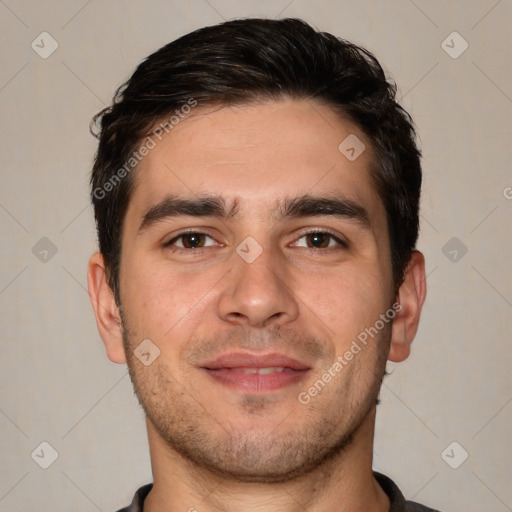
[(343, 483)]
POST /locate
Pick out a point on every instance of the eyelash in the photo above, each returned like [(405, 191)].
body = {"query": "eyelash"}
[(341, 243)]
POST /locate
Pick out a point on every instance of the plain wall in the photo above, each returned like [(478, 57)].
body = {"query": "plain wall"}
[(58, 385)]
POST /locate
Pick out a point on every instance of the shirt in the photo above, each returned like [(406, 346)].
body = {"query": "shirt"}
[(396, 498)]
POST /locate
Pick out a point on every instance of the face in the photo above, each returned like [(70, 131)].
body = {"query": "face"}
[(254, 254)]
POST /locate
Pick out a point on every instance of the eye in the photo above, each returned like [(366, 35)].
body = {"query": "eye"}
[(319, 240), (191, 240)]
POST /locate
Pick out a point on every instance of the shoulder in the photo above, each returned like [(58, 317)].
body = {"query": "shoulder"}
[(412, 506), (396, 498), (137, 503)]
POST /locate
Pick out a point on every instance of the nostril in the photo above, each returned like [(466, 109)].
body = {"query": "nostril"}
[(235, 314)]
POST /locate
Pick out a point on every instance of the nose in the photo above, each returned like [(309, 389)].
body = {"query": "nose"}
[(257, 294)]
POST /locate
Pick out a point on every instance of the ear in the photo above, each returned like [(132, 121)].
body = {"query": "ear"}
[(411, 296), (108, 318)]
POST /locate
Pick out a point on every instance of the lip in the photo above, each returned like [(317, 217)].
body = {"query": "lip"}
[(248, 360), (227, 370)]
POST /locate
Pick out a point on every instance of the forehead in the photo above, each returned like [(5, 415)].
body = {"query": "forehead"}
[(258, 154)]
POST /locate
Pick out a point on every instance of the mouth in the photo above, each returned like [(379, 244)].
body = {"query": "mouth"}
[(255, 373)]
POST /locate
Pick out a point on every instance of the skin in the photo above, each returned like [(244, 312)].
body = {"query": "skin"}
[(217, 448)]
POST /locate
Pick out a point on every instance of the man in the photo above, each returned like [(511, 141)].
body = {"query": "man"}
[(256, 192)]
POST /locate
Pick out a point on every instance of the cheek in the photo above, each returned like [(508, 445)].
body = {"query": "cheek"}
[(346, 301), (159, 301)]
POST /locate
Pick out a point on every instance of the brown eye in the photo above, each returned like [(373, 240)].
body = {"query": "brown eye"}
[(318, 240), (191, 240)]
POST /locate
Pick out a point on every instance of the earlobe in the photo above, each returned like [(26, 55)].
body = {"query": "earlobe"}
[(411, 296), (107, 314)]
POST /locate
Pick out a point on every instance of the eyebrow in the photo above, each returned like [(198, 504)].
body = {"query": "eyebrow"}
[(202, 206), (311, 206), (215, 206)]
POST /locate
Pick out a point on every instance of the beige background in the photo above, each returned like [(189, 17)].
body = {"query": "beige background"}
[(57, 384)]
